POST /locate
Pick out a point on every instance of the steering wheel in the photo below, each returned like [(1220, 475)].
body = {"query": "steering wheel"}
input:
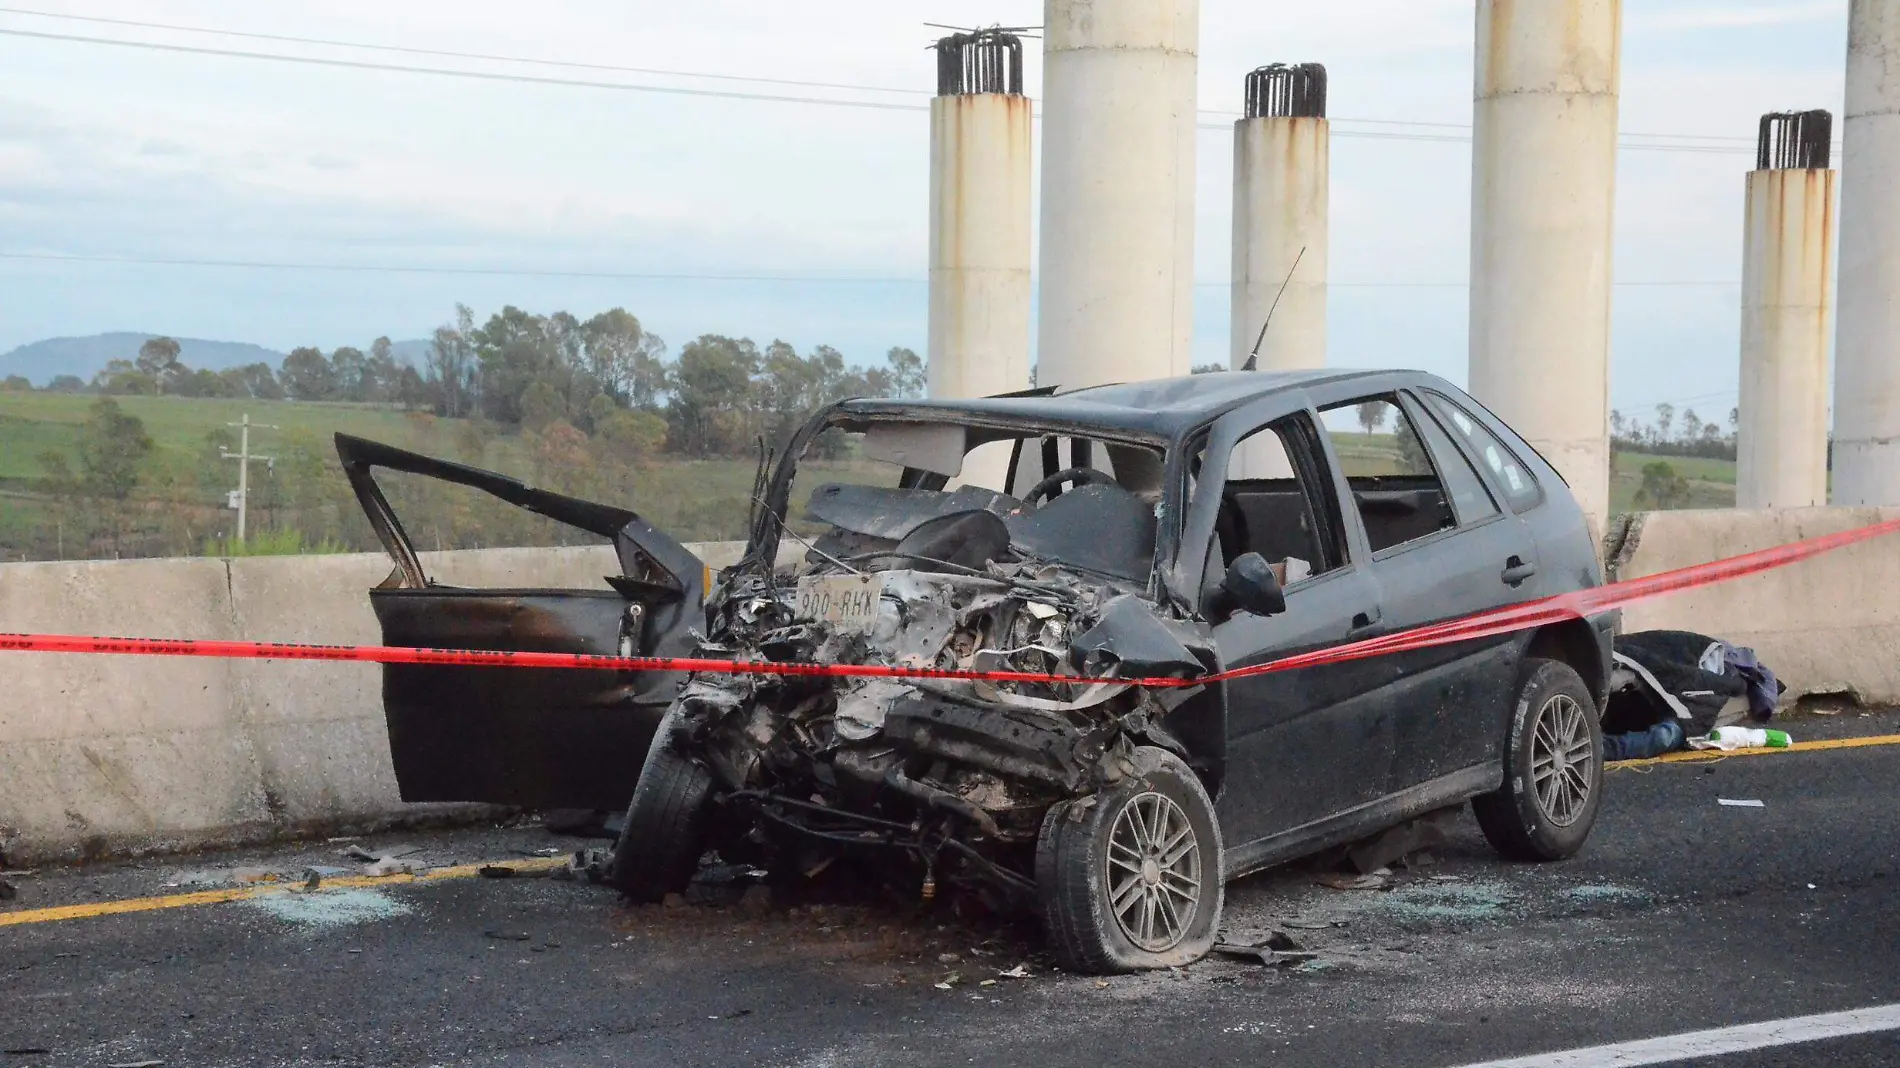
[(1081, 476)]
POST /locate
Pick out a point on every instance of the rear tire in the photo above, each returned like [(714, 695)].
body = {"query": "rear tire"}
[(1553, 768), (665, 831), (1130, 878)]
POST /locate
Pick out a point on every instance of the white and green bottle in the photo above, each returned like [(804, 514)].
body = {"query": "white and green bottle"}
[(1749, 738)]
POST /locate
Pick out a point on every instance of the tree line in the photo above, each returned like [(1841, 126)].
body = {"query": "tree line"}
[(606, 374), (1668, 435), (595, 407)]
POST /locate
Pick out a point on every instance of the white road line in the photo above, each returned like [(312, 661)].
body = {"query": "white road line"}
[(1715, 1042)]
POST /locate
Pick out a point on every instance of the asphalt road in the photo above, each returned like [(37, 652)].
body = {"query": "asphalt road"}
[(1681, 915)]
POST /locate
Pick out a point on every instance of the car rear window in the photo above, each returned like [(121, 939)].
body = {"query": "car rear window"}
[(1519, 486)]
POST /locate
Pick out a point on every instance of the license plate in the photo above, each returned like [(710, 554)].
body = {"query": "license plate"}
[(847, 602)]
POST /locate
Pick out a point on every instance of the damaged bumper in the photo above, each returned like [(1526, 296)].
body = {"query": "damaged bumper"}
[(958, 775)]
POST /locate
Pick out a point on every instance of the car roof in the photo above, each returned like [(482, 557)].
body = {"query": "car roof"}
[(1162, 407)]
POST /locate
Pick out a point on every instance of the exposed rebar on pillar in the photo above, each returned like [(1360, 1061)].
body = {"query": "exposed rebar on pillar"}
[(1282, 151), (980, 160), (1543, 190), (1787, 313), (1117, 251), (1867, 340)]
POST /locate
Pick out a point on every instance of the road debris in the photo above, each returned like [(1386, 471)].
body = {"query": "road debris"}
[(1275, 949), (1729, 802), (508, 936), (1021, 971), (496, 871), (8, 891), (393, 866), (950, 980), (1375, 880)]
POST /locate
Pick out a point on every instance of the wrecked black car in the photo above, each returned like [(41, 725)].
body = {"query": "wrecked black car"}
[(1162, 529)]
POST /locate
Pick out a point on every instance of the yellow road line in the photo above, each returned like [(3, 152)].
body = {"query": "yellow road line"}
[(245, 893), (1690, 756), (538, 864)]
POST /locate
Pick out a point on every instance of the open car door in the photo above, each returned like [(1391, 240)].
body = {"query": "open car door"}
[(538, 738)]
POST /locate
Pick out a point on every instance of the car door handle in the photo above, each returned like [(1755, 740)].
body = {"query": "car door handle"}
[(1364, 621), (1516, 571)]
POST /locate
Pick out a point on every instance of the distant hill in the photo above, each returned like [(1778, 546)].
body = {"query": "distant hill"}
[(40, 361)]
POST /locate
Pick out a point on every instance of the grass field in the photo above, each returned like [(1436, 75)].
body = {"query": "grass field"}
[(692, 499), (32, 423), (1711, 482)]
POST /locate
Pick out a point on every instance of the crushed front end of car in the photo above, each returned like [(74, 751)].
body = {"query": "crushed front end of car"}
[(925, 786), (952, 777)]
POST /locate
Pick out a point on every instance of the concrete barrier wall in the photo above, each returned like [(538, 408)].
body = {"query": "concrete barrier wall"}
[(132, 754), (1829, 625), (102, 754)]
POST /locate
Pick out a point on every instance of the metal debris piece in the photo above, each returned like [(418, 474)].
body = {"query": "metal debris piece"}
[(1377, 880), (312, 879), (357, 852), (950, 980), (136, 1064), (1021, 971), (1254, 954), (1752, 802)]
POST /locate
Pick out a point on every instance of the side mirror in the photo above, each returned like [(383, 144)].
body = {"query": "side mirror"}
[(1251, 586)]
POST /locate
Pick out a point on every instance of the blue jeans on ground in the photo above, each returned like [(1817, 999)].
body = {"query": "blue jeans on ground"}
[(1638, 745)]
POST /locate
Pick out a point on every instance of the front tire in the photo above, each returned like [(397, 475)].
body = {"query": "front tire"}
[(665, 831), (1553, 768), (1131, 877)]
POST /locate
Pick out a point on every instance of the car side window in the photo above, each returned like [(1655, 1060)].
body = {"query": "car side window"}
[(1268, 506), (1469, 497), (1520, 488), (1399, 494)]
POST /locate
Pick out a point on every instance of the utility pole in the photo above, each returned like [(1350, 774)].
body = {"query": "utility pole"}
[(243, 457)]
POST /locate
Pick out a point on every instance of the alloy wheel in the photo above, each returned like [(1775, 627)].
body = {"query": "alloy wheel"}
[(1154, 871), (1562, 760)]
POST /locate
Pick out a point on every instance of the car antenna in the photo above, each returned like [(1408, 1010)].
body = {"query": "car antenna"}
[(1253, 358)]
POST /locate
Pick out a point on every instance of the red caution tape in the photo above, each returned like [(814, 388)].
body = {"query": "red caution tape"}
[(1489, 623)]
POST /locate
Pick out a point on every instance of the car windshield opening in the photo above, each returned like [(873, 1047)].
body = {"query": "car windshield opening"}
[(882, 491)]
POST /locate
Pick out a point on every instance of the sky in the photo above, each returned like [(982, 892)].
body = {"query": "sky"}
[(776, 218)]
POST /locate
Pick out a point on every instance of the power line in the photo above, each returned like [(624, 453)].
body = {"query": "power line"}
[(1742, 145), (664, 276), (489, 76), (577, 65), (573, 65)]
